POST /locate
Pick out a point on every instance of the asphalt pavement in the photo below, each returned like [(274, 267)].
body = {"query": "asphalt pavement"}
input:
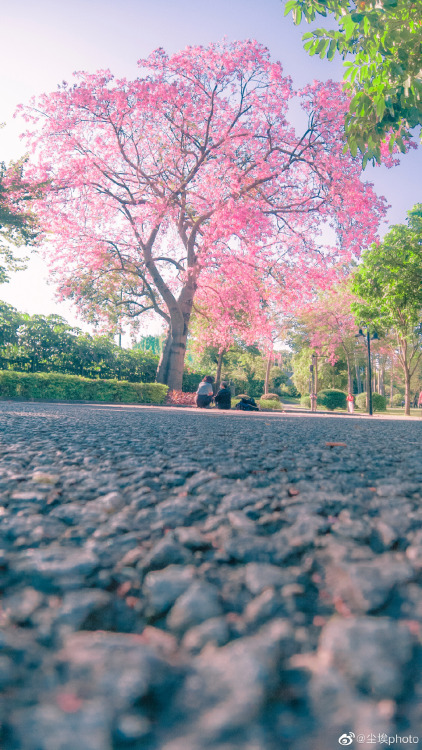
[(177, 579)]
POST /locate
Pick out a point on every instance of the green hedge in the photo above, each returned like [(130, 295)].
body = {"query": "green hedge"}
[(58, 387), (270, 404), (379, 403), (305, 401), (332, 399)]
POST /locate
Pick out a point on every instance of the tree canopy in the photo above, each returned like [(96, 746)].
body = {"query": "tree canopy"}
[(388, 284), (384, 78), (152, 181), (18, 224)]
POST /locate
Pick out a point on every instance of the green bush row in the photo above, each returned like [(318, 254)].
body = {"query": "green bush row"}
[(60, 387), (331, 399), (379, 403), (270, 404)]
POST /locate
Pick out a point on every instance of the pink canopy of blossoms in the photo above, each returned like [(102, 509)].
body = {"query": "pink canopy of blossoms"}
[(193, 164)]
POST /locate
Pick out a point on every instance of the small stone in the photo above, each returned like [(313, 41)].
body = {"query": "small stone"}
[(214, 631), (263, 607), (190, 537), (19, 607), (131, 727), (163, 587), (110, 503), (366, 586), (45, 478), (165, 552), (56, 566), (259, 576), (81, 605), (374, 653), (199, 603), (240, 521)]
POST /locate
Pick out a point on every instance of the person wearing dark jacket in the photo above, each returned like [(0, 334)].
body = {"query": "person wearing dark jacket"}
[(223, 399)]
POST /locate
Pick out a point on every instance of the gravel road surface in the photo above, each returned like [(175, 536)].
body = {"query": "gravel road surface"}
[(183, 580)]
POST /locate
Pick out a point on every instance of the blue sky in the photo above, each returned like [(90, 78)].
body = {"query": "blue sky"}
[(43, 42)]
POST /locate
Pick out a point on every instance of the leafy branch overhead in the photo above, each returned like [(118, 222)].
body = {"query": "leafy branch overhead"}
[(18, 225), (381, 44)]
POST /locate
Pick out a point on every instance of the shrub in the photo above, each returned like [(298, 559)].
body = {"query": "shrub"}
[(305, 401), (270, 397), (179, 398), (270, 404), (331, 399), (289, 390), (255, 388), (191, 380), (379, 403), (398, 399), (60, 387)]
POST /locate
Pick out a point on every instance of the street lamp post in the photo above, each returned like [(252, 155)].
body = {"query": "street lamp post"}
[(369, 338)]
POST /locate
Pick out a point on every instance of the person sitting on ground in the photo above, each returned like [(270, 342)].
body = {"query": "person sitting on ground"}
[(247, 403), (205, 392), (223, 399)]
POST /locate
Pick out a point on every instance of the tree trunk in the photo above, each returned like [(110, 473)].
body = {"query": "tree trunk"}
[(164, 359), (391, 382), (316, 376), (219, 366), (407, 391), (358, 380), (170, 369), (267, 373), (349, 376), (171, 366), (382, 378)]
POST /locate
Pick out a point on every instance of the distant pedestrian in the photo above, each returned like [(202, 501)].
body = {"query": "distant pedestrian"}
[(205, 392), (350, 402), (415, 401), (223, 399)]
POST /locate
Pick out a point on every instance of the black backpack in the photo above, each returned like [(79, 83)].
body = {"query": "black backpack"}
[(247, 404)]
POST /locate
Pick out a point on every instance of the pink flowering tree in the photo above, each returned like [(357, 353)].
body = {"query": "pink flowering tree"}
[(332, 328), (229, 306), (153, 181)]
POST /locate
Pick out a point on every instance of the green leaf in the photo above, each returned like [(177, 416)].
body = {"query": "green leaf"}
[(380, 107), (332, 49), (353, 147), (323, 47), (297, 16), (289, 7)]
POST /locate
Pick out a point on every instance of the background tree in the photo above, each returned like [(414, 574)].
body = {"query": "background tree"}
[(389, 285), (40, 343), (153, 180), (229, 307), (329, 375), (384, 78), (18, 225), (332, 329)]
